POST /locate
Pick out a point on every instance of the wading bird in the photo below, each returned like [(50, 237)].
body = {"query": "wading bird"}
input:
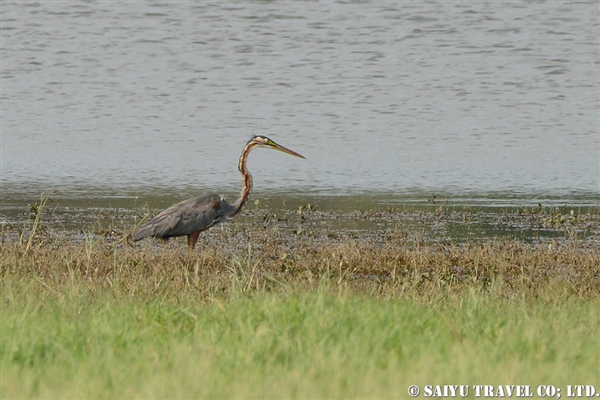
[(190, 217)]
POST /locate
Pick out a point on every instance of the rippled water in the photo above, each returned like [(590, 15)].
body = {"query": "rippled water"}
[(401, 97)]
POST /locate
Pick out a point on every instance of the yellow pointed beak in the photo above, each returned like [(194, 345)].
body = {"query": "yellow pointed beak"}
[(275, 146)]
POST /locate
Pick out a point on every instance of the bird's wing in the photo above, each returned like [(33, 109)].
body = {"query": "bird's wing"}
[(196, 214), (160, 225)]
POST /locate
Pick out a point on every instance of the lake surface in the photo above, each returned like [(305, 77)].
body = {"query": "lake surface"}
[(470, 99)]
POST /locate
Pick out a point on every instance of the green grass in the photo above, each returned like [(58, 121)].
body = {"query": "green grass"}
[(257, 315), (78, 342)]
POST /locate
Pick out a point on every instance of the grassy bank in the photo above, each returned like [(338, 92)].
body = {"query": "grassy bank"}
[(301, 345), (267, 318)]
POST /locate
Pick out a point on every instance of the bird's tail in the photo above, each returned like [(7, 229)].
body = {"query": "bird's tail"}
[(142, 232)]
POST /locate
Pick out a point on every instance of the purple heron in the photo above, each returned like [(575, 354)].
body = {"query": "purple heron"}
[(191, 217)]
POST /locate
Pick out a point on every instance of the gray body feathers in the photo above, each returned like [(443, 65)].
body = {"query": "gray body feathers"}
[(187, 217)]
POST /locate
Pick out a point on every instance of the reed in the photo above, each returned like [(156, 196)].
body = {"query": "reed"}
[(37, 209)]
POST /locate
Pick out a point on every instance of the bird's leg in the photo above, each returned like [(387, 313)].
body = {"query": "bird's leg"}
[(192, 238)]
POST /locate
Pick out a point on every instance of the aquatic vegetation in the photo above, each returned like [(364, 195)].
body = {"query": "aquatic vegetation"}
[(266, 256)]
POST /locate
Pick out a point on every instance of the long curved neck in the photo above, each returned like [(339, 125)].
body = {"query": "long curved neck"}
[(243, 199)]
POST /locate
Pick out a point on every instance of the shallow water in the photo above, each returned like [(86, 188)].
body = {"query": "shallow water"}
[(322, 219), (471, 100)]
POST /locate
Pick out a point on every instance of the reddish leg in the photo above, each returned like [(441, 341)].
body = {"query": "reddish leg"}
[(192, 239)]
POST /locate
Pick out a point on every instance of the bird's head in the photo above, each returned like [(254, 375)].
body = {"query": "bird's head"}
[(263, 141)]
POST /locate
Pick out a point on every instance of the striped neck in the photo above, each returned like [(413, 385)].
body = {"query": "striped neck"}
[(247, 178)]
